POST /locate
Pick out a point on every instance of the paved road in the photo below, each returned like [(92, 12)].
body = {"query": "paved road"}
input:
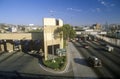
[(111, 62), (80, 67), (23, 65)]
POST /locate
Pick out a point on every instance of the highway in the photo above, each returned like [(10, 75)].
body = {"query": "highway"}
[(110, 60), (23, 65)]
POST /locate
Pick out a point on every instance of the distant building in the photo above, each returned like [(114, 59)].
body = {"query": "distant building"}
[(13, 29), (31, 24), (96, 26)]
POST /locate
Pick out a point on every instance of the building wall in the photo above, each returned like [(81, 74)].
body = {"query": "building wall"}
[(21, 36), (49, 34), (49, 22), (110, 40)]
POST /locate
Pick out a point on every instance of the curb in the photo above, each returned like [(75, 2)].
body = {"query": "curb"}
[(57, 72)]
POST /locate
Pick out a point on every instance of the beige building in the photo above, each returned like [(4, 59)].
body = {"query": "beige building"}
[(51, 43), (48, 40)]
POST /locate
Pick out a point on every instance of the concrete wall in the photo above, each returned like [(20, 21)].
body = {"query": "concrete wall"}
[(110, 40), (1, 47), (9, 47), (21, 36), (15, 36)]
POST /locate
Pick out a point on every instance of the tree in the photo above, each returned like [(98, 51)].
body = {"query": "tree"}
[(72, 33), (67, 30)]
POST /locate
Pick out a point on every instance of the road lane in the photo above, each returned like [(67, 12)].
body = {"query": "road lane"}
[(115, 47), (107, 60), (110, 55), (101, 72), (80, 67)]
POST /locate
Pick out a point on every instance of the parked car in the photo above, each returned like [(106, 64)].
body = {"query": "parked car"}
[(94, 61)]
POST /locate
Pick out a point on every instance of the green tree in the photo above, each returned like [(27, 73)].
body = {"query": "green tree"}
[(72, 33), (67, 30)]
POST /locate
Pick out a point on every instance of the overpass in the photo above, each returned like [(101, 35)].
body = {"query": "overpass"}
[(22, 41)]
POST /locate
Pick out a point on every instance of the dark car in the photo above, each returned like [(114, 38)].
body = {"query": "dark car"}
[(94, 61)]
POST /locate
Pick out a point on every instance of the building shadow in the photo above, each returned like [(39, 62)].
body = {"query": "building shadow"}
[(79, 46), (81, 61), (98, 49), (19, 75)]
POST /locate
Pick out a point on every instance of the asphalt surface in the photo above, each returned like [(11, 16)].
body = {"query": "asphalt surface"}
[(23, 65), (110, 60), (79, 64)]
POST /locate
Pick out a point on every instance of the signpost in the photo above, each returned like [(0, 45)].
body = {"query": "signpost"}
[(61, 52)]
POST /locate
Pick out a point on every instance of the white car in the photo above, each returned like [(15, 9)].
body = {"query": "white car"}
[(109, 48)]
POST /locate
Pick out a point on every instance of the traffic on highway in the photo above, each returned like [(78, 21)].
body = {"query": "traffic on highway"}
[(102, 57), (86, 59)]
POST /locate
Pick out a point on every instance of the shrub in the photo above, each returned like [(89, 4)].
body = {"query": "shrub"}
[(60, 62)]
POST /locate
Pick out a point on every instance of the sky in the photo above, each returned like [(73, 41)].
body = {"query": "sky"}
[(73, 12)]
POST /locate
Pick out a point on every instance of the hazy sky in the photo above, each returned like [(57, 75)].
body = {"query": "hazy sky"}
[(74, 12)]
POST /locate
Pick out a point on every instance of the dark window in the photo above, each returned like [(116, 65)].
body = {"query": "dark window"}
[(57, 22)]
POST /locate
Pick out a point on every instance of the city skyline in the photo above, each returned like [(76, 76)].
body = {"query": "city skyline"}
[(77, 12)]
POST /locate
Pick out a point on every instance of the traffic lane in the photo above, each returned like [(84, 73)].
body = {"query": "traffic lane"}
[(86, 54), (101, 71), (117, 48), (105, 53), (111, 55), (107, 63), (81, 69)]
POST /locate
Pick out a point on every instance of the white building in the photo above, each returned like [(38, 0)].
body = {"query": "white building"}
[(13, 29)]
